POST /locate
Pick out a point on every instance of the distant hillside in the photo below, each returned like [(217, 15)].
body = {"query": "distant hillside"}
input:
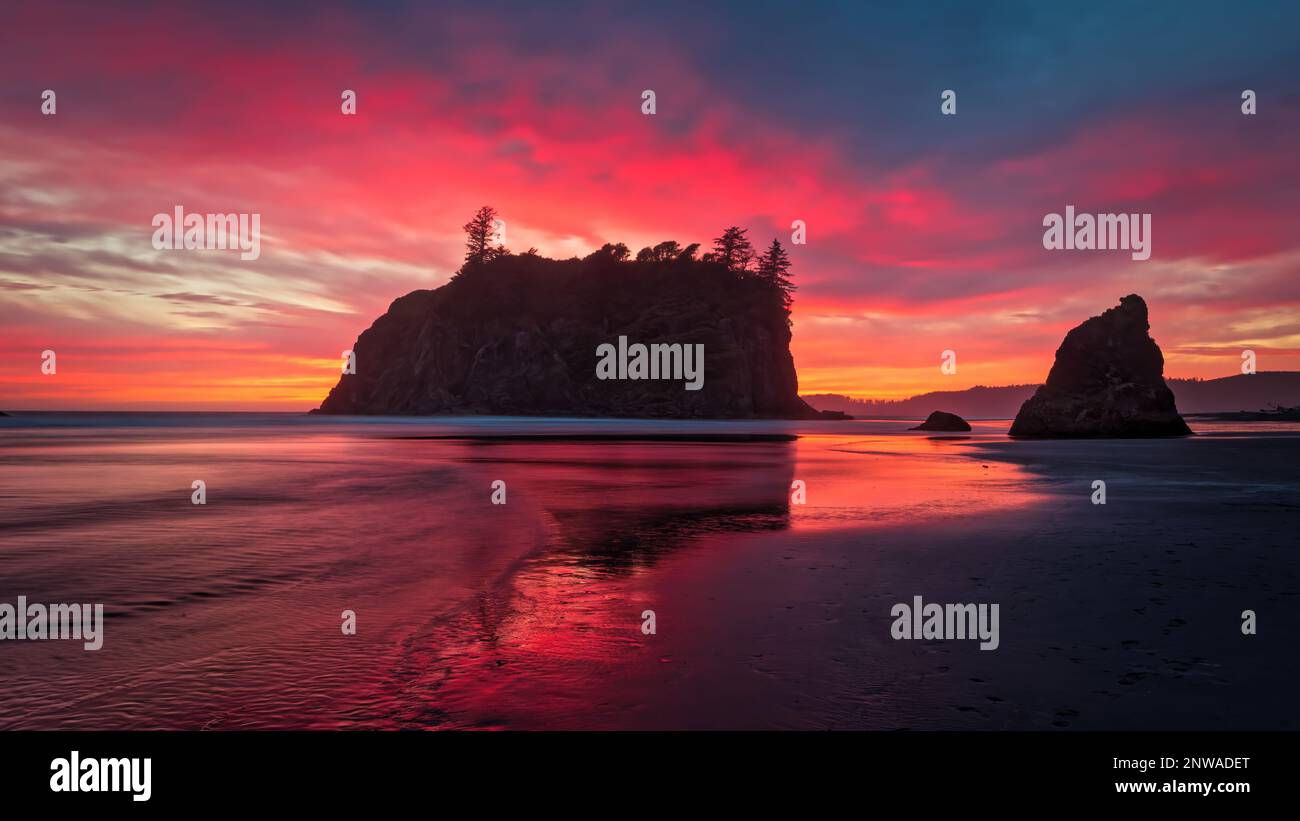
[(1237, 393), (977, 402), (1229, 393)]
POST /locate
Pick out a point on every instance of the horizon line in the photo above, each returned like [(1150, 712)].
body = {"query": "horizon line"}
[(847, 396)]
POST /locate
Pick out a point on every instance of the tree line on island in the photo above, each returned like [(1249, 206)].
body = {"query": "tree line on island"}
[(732, 251), (512, 334)]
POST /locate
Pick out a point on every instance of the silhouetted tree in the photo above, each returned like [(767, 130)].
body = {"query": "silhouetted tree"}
[(616, 252), (688, 253), (479, 231), (666, 251), (774, 269), (733, 249)]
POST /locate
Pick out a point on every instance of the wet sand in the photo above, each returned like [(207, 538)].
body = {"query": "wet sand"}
[(1120, 616), (528, 615), (1123, 616)]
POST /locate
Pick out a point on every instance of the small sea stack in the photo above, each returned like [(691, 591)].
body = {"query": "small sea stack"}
[(939, 420), (1107, 381)]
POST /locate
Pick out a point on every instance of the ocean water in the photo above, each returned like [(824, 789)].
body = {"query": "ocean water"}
[(471, 614)]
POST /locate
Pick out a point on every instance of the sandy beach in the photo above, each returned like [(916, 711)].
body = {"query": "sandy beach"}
[(1123, 616), (529, 614)]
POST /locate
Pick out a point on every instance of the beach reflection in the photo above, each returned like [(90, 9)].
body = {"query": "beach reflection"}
[(470, 614), (562, 645)]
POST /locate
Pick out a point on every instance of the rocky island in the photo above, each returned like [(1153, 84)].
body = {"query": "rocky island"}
[(940, 420), (521, 334), (1107, 381)]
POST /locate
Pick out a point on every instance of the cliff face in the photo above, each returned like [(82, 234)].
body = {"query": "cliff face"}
[(1107, 380), (519, 336)]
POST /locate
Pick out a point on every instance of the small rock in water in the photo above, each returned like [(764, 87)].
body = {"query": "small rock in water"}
[(943, 421)]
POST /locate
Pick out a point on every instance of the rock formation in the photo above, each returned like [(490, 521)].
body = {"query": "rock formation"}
[(943, 421), (1107, 380), (519, 335)]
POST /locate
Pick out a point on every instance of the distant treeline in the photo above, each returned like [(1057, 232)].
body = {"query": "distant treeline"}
[(1259, 391), (973, 403)]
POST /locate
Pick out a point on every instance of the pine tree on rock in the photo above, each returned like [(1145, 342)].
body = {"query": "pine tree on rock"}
[(479, 234), (774, 269), (733, 249)]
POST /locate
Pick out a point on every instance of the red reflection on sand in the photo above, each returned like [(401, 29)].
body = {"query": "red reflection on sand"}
[(470, 614), (563, 644)]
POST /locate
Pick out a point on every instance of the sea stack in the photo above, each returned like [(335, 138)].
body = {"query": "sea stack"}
[(940, 420), (523, 335), (1107, 381)]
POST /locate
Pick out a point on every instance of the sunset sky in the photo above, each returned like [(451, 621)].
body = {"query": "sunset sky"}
[(924, 230)]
